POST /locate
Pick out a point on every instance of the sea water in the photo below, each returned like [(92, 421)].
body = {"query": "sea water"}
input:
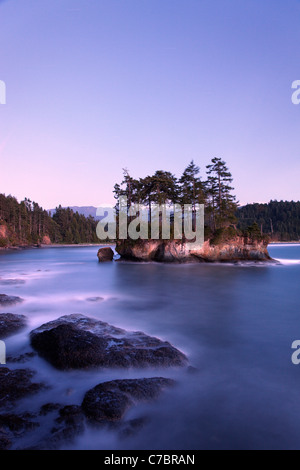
[(236, 324)]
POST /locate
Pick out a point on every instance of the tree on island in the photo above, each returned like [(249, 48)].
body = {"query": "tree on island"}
[(129, 188), (191, 188), (160, 188), (164, 188), (221, 204)]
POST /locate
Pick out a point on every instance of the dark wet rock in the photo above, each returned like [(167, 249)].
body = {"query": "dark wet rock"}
[(109, 401), (192, 370), (22, 358), (9, 300), (17, 423), (69, 424), (11, 282), (77, 342), (49, 408), (95, 299), (5, 439), (132, 427), (15, 385), (13, 426), (11, 323), (105, 254)]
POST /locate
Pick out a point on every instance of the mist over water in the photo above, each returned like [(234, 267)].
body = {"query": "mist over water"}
[(236, 323)]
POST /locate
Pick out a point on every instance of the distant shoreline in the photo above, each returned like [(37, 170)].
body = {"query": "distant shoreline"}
[(79, 245), (54, 245)]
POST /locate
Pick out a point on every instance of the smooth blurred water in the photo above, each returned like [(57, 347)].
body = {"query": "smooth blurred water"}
[(235, 322)]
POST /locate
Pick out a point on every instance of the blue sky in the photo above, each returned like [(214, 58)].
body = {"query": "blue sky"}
[(97, 85)]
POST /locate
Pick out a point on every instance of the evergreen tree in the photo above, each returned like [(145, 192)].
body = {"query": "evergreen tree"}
[(278, 219), (27, 223), (222, 203), (165, 188), (191, 188)]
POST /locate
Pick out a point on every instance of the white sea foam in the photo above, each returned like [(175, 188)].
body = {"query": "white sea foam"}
[(279, 245), (288, 262)]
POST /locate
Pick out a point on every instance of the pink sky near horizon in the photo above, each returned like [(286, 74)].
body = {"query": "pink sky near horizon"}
[(93, 88)]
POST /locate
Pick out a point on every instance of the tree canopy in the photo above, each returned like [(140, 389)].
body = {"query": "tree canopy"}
[(163, 187), (279, 219)]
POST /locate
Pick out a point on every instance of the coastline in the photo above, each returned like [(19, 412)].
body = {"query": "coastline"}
[(77, 245), (52, 245)]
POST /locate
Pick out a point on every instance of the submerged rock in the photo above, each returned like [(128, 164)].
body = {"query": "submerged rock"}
[(11, 282), (69, 424), (95, 299), (66, 424), (22, 358), (17, 423), (105, 254), (11, 323), (49, 408), (15, 385), (132, 427), (9, 300), (78, 342), (109, 401), (13, 427), (5, 439)]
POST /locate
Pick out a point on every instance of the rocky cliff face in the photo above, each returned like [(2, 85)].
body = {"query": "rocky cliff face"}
[(9, 238), (237, 249), (3, 231)]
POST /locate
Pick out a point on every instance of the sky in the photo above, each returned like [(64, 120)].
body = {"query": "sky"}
[(93, 86)]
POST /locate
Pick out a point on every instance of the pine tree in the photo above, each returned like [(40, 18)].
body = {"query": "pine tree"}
[(191, 188), (222, 203), (165, 187)]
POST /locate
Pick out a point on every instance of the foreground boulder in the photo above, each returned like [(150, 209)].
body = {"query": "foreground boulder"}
[(105, 254), (9, 300), (10, 324), (109, 401), (78, 342), (16, 384)]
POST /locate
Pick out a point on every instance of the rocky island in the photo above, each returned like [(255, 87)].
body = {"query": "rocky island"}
[(177, 251), (224, 239)]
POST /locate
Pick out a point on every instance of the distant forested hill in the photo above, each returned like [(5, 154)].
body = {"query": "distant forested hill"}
[(83, 210), (279, 219), (26, 223)]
